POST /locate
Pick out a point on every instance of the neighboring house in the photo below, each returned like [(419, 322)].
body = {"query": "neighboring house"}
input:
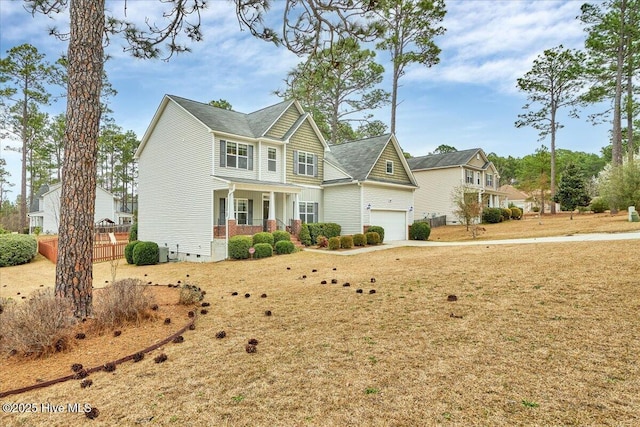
[(439, 175), (518, 198), (45, 209), (206, 174)]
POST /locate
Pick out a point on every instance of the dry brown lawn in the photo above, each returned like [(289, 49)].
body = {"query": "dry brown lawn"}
[(545, 334)]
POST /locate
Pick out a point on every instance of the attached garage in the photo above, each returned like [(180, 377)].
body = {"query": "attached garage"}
[(393, 222)]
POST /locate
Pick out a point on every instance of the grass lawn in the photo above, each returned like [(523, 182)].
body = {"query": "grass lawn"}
[(544, 334)]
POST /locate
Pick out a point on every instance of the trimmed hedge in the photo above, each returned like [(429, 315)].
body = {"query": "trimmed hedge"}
[(346, 242), (239, 247), (145, 253), (419, 231), (284, 247), (263, 237), (491, 215), (263, 250), (327, 229), (304, 236), (280, 235), (516, 212), (599, 205), (359, 240), (373, 238), (16, 249), (379, 230), (506, 214), (128, 251), (334, 243), (133, 233)]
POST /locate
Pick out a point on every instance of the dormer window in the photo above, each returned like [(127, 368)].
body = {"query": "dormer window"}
[(389, 167)]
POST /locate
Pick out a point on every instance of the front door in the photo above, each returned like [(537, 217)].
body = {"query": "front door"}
[(265, 214)]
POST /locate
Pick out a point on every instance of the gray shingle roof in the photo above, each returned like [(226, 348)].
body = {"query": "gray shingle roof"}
[(434, 161), (358, 157), (252, 125)]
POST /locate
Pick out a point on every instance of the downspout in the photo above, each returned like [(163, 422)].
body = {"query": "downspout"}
[(227, 216)]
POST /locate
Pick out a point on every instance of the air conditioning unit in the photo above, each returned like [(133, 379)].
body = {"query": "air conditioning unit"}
[(163, 254)]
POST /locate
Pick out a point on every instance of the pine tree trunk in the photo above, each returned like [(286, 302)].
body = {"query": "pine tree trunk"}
[(74, 269)]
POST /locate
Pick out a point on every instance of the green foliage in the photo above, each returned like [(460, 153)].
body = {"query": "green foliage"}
[(128, 251), (359, 239), (145, 253), (599, 205), (516, 212), (239, 247), (16, 249), (372, 237), (133, 233), (285, 247), (263, 237), (327, 229), (280, 235), (467, 206), (263, 250), (620, 186), (334, 243), (506, 214), (419, 231), (379, 230), (304, 236), (346, 242), (491, 215), (572, 191)]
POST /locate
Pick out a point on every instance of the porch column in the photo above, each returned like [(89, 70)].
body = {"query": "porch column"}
[(231, 209), (296, 223), (272, 224)]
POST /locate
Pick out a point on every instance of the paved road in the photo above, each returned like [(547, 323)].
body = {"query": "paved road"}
[(633, 235)]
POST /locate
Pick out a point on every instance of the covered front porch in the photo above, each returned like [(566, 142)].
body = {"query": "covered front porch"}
[(247, 207)]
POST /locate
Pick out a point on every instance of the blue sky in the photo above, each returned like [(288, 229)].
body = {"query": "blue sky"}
[(468, 100)]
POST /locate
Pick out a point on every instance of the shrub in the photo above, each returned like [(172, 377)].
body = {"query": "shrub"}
[(516, 212), (334, 243), (327, 229), (359, 239), (304, 236), (38, 326), (285, 247), (133, 233), (506, 214), (128, 251), (536, 209), (379, 230), (346, 242), (419, 231), (323, 242), (16, 249), (239, 247), (263, 237), (124, 301), (263, 250), (491, 215), (599, 205), (280, 235), (372, 237), (190, 294), (146, 253)]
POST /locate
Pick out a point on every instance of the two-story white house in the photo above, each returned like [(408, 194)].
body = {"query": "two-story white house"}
[(206, 174), (438, 176)]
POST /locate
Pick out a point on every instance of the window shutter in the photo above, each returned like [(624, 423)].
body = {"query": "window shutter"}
[(316, 218), (250, 157), (295, 162), (223, 211), (223, 153), (315, 165), (250, 213)]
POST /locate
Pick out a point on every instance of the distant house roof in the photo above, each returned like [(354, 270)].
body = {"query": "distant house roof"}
[(513, 193), (35, 202), (445, 160), (253, 125)]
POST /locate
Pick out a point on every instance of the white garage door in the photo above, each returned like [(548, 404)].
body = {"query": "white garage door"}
[(393, 222)]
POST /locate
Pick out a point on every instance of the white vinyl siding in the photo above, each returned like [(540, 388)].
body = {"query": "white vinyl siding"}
[(343, 205), (166, 214), (433, 198), (332, 173), (386, 198), (220, 164)]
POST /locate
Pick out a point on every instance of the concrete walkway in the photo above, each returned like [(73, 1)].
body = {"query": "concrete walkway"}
[(632, 235)]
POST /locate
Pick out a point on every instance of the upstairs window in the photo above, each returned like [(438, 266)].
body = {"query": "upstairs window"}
[(468, 176), (271, 159), (236, 155), (389, 167), (305, 163), (489, 180)]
